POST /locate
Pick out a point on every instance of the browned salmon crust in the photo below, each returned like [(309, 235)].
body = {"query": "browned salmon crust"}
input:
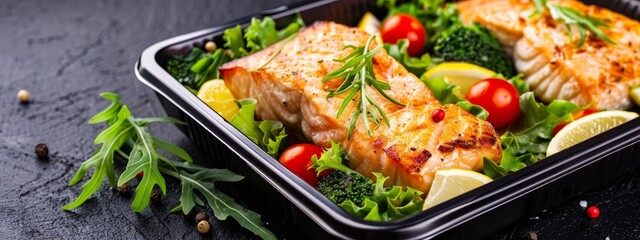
[(596, 73), (409, 151)]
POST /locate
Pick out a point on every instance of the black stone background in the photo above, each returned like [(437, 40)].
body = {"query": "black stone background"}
[(66, 52)]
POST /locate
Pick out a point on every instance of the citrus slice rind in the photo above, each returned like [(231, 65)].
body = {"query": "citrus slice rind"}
[(461, 74), (587, 127), (449, 183), (215, 94)]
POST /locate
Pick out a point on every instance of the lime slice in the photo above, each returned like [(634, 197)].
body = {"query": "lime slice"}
[(215, 94), (635, 94), (461, 74), (370, 24), (586, 127), (449, 183)]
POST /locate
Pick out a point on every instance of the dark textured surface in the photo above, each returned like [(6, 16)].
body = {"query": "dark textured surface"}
[(66, 52)]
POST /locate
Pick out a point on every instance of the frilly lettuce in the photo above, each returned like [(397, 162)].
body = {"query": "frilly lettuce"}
[(267, 134), (527, 142)]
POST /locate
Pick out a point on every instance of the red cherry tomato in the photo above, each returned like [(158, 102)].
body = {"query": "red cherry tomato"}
[(576, 115), (404, 26), (297, 159), (499, 98)]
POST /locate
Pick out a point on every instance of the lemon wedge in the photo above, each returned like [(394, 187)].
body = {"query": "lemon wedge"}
[(461, 74), (635, 94), (370, 24), (587, 127), (449, 183), (215, 94)]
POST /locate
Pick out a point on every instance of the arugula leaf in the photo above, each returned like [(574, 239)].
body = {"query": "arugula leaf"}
[(527, 143), (331, 158), (267, 134), (125, 129), (198, 179), (109, 113), (111, 139), (387, 204), (417, 66)]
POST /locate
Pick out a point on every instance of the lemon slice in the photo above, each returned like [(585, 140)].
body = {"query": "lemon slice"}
[(370, 24), (449, 183), (461, 74), (586, 127), (215, 94), (635, 94)]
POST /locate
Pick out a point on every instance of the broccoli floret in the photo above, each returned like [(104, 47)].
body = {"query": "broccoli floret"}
[(474, 44), (339, 186)]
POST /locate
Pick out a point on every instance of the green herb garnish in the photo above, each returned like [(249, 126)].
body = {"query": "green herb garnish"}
[(358, 73), (571, 16), (127, 132)]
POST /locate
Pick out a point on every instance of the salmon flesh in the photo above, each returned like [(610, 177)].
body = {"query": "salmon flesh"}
[(597, 73), (409, 151)]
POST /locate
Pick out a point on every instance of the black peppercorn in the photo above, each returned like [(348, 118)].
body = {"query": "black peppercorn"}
[(201, 216), (156, 195), (42, 151), (125, 188)]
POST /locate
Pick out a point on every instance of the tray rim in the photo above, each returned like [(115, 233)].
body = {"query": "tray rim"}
[(147, 68)]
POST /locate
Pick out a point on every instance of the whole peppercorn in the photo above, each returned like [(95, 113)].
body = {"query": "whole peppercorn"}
[(593, 212), (203, 227), (210, 46), (437, 115), (42, 150), (156, 196), (201, 216), (125, 188), (23, 96)]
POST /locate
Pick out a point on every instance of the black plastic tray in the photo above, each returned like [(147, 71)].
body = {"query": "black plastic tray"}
[(472, 215)]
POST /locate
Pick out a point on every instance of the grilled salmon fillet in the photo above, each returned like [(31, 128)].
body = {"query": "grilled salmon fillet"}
[(409, 151), (596, 73)]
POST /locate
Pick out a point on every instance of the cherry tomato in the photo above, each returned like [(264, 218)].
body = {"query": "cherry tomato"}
[(297, 159), (576, 115), (404, 26), (499, 98)]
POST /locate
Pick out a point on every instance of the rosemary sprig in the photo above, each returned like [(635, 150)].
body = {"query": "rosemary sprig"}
[(571, 16), (358, 73)]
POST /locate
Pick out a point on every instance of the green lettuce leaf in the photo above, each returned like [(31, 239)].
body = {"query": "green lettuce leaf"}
[(476, 110), (331, 159), (417, 66), (448, 93), (445, 93), (262, 33), (527, 142), (234, 41), (387, 203), (267, 134)]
